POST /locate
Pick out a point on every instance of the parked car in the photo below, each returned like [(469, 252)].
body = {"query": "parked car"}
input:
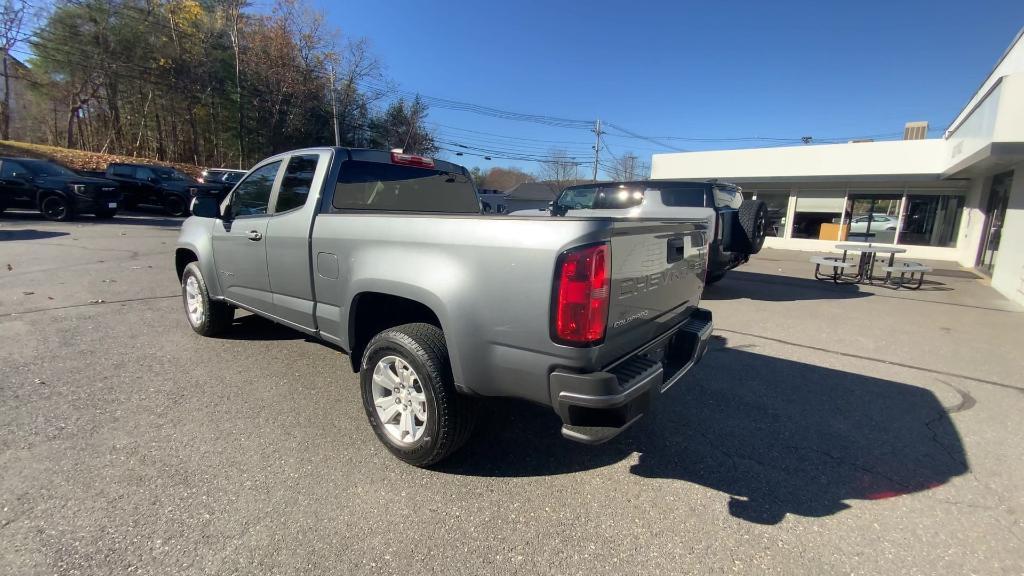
[(56, 191), (226, 178), (156, 186), (878, 223), (738, 225), (387, 256)]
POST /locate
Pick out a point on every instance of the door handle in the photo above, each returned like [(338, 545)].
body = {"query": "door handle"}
[(255, 236), (676, 250)]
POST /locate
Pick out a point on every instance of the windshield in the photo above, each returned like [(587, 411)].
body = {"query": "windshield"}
[(45, 168), (616, 196), (170, 174)]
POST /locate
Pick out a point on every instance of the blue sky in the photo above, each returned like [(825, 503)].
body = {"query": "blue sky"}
[(684, 69)]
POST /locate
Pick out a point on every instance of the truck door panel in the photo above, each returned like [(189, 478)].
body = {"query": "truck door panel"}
[(288, 257), (239, 243)]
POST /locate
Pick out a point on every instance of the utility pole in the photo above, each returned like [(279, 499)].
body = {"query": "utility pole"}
[(597, 146), (334, 110)]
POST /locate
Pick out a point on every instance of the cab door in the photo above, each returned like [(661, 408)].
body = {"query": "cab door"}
[(288, 246), (15, 189), (239, 242)]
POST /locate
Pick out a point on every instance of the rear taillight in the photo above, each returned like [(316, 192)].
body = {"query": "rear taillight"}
[(411, 160), (581, 296)]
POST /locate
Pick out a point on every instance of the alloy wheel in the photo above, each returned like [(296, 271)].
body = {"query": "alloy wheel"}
[(399, 400)]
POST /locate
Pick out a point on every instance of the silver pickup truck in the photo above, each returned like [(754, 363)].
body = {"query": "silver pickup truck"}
[(389, 257)]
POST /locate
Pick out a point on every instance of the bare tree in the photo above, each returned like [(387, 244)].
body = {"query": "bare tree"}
[(629, 167), (560, 170), (499, 178), (234, 16), (12, 19)]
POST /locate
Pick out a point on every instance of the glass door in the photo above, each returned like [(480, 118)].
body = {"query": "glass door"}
[(998, 198), (873, 216)]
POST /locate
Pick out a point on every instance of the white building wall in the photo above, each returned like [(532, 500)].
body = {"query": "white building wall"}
[(1008, 277), (972, 223), (890, 158)]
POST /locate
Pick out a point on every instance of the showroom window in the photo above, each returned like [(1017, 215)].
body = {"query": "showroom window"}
[(931, 219), (818, 213), (777, 202), (872, 215)]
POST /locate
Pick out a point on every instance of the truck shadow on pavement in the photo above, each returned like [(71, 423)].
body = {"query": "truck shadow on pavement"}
[(778, 437), (739, 284)]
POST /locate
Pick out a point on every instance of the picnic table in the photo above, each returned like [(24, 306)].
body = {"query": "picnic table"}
[(868, 253)]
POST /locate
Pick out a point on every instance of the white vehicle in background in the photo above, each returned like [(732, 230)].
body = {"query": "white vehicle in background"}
[(877, 222)]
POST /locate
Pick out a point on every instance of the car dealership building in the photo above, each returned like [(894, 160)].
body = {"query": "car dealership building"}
[(958, 198)]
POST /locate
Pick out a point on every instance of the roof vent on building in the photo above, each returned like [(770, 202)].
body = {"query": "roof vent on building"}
[(915, 131)]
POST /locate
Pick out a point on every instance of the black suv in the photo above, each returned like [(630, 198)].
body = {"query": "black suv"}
[(226, 178), (57, 192), (156, 186)]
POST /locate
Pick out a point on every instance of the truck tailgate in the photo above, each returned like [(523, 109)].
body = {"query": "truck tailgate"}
[(657, 276)]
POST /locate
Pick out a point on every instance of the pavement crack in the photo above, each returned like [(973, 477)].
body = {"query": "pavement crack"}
[(105, 302)]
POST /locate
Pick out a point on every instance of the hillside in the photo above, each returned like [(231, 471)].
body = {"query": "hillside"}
[(80, 159)]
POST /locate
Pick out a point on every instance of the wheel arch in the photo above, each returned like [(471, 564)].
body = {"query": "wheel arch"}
[(372, 312), (182, 258)]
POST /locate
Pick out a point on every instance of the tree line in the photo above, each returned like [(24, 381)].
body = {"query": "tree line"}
[(208, 82)]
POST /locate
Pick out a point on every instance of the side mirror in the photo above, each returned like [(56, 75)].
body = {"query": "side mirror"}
[(208, 207)]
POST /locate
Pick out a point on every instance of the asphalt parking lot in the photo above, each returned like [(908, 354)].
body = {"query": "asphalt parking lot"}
[(829, 430)]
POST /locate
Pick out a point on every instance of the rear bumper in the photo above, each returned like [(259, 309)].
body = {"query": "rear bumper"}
[(597, 406)]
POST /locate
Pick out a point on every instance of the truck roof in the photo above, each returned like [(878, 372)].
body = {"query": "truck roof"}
[(373, 155)]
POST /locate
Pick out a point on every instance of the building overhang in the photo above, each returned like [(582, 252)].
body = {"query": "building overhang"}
[(844, 178), (992, 157)]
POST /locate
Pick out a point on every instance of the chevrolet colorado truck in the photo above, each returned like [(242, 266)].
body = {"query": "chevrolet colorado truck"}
[(388, 257), (738, 226)]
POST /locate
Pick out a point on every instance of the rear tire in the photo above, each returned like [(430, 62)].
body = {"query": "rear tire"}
[(753, 217), (56, 208), (420, 352), (206, 316), (175, 206)]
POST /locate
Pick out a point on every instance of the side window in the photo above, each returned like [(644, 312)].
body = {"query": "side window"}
[(683, 197), (143, 173), (252, 195), (298, 179), (233, 177), (12, 170), (122, 170)]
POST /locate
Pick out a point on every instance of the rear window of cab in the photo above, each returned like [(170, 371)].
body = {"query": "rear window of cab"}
[(394, 188)]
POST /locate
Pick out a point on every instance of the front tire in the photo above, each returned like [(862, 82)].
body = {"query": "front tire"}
[(409, 395), (206, 316), (56, 208), (175, 206)]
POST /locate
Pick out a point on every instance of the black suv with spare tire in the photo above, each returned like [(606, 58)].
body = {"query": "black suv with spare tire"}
[(739, 224)]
